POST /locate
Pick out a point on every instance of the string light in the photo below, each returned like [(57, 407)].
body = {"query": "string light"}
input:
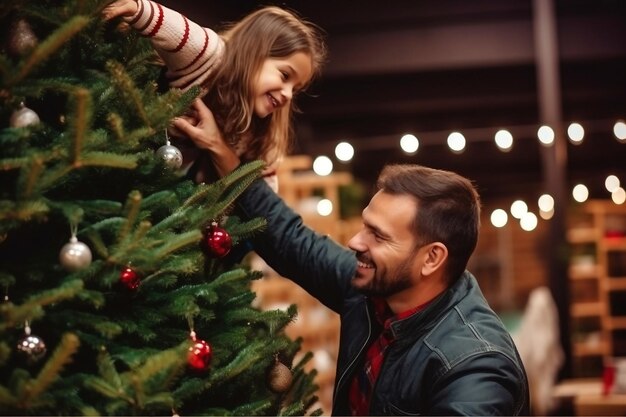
[(504, 140), (611, 183), (456, 142), (619, 129), (546, 202), (322, 166), (546, 215), (324, 207), (576, 133), (580, 192), (344, 151), (409, 143), (545, 135), (519, 208), (499, 218), (618, 195), (529, 221)]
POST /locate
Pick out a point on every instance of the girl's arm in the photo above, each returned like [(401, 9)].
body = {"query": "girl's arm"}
[(190, 52)]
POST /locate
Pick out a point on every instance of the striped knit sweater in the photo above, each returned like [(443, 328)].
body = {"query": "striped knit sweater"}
[(190, 53)]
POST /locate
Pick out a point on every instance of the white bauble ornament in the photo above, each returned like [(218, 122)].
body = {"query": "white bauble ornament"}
[(23, 117), (75, 255), (171, 155)]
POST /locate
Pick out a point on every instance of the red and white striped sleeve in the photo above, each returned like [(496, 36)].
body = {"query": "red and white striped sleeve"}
[(190, 52)]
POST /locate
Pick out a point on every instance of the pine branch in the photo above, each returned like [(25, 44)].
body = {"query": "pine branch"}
[(246, 173), (169, 362), (116, 124), (7, 400), (78, 122), (9, 164), (179, 242), (21, 211), (245, 359), (231, 187), (32, 308), (126, 87), (228, 277), (103, 326), (257, 408), (108, 159), (294, 409), (132, 206), (30, 177), (50, 372), (107, 370), (247, 229), (102, 387)]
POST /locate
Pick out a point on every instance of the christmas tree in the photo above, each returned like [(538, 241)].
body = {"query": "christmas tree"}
[(120, 296)]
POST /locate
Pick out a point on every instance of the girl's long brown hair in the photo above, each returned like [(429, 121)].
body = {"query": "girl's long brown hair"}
[(270, 32)]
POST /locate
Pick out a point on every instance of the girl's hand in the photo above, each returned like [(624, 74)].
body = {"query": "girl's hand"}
[(206, 135), (124, 8)]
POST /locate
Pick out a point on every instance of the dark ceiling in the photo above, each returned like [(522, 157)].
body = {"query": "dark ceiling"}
[(433, 67)]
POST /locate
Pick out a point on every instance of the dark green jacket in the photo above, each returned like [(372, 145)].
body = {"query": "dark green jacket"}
[(453, 358)]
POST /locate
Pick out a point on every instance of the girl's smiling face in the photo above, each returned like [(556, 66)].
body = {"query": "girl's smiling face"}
[(279, 80)]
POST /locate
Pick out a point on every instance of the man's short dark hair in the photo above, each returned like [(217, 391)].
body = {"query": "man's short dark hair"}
[(448, 209)]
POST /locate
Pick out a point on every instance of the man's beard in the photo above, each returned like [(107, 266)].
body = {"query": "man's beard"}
[(392, 283)]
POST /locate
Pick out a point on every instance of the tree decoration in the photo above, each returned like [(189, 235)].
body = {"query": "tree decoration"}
[(129, 278), (75, 255), (200, 353), (217, 241), (279, 377), (23, 117), (170, 154), (30, 346), (21, 38)]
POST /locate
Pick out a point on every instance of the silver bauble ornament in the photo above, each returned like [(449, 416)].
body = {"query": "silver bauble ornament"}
[(279, 378), (22, 39), (171, 155), (23, 117), (31, 347), (75, 255)]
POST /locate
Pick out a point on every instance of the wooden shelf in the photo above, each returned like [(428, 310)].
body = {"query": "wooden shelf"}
[(616, 284), (580, 235), (577, 271), (581, 349), (614, 243), (587, 309), (593, 260), (616, 323)]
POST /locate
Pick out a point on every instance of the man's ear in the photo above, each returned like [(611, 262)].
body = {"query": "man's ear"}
[(436, 255)]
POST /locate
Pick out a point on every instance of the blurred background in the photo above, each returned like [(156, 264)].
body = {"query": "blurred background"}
[(527, 99)]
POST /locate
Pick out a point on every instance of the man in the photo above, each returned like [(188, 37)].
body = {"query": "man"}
[(417, 335)]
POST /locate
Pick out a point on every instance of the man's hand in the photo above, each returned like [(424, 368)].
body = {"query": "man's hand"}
[(123, 8), (207, 136)]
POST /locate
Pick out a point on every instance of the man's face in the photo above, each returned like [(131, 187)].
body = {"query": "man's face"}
[(386, 247)]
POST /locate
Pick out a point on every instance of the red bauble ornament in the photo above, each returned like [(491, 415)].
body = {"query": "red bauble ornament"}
[(217, 241), (200, 354), (129, 278)]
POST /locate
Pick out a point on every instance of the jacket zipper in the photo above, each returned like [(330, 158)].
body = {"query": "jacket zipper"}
[(369, 334)]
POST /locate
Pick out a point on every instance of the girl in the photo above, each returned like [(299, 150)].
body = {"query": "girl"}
[(249, 73)]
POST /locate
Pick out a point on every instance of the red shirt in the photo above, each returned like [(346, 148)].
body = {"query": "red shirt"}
[(363, 382)]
